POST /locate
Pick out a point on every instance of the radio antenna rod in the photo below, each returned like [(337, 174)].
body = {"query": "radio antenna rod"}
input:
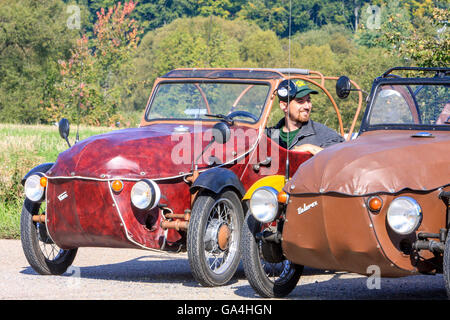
[(288, 101)]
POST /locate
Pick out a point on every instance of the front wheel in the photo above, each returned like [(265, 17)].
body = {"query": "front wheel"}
[(269, 274), (43, 255), (213, 237)]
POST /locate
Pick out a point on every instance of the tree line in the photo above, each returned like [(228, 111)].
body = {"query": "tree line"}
[(96, 60)]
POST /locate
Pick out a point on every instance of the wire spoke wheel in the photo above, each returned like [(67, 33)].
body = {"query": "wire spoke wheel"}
[(44, 256), (214, 236), (268, 279), (275, 271), (220, 242), (51, 251)]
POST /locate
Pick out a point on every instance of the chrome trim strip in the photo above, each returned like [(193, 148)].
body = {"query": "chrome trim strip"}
[(124, 225)]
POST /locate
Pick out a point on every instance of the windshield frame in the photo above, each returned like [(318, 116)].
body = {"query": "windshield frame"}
[(202, 80), (366, 126)]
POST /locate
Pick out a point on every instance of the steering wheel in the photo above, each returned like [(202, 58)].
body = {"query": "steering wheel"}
[(241, 113)]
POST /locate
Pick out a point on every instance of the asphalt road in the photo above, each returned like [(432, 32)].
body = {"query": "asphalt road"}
[(112, 274)]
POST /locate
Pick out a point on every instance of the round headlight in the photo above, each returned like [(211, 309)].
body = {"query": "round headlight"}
[(264, 204), (145, 194), (33, 188), (404, 215)]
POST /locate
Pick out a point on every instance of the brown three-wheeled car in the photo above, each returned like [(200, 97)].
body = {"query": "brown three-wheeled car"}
[(378, 202)]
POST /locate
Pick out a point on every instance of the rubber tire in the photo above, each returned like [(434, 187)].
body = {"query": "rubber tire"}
[(195, 238), (446, 266), (30, 245), (253, 269)]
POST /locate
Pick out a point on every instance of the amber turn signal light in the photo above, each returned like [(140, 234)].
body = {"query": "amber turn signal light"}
[(375, 203), (282, 197), (117, 185), (43, 182)]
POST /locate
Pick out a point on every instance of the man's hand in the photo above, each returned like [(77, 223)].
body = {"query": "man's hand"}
[(308, 148)]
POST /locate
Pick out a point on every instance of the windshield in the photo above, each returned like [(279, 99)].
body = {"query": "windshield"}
[(192, 100), (411, 105)]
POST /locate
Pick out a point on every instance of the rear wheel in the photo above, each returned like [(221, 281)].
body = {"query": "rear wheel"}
[(213, 237), (267, 271), (44, 256)]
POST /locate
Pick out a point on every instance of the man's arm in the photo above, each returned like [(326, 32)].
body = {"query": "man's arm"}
[(308, 148)]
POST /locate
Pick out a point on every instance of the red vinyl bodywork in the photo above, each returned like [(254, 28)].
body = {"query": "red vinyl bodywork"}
[(93, 215)]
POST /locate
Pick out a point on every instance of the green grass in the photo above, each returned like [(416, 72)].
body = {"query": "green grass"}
[(22, 148)]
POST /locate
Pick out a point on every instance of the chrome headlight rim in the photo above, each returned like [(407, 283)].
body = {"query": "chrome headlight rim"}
[(413, 218), (145, 194), (267, 210), (34, 191)]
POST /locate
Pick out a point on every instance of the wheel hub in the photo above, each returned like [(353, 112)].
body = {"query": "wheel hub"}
[(223, 236), (217, 236)]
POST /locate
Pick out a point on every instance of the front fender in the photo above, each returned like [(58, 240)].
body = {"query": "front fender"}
[(44, 167), (276, 181), (216, 180)]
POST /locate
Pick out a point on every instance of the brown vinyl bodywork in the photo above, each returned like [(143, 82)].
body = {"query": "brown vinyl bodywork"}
[(339, 232), (82, 210)]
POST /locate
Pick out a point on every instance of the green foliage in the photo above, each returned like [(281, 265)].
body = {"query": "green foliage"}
[(45, 72), (218, 8), (201, 42), (377, 21), (268, 15), (153, 14), (90, 88), (33, 36), (416, 30), (306, 15), (427, 41)]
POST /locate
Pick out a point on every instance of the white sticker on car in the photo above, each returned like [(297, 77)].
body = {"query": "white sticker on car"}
[(62, 196)]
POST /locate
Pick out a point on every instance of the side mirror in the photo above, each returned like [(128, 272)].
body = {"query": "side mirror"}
[(221, 132), (343, 87), (64, 129)]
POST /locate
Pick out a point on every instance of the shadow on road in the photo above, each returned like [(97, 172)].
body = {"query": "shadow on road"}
[(338, 288), (146, 268)]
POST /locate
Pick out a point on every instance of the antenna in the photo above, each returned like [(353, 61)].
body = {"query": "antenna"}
[(289, 98), (77, 136)]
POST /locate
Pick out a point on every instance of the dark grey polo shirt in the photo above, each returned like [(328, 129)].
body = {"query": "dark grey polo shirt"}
[(311, 132)]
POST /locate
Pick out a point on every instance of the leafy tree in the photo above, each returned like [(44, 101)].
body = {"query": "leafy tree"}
[(152, 14), (218, 8), (305, 15), (33, 36), (427, 42), (90, 76), (377, 20), (420, 8), (269, 15)]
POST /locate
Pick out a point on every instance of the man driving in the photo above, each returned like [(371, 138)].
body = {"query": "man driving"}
[(296, 131)]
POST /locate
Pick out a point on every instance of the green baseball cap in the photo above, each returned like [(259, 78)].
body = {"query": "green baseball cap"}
[(303, 89)]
